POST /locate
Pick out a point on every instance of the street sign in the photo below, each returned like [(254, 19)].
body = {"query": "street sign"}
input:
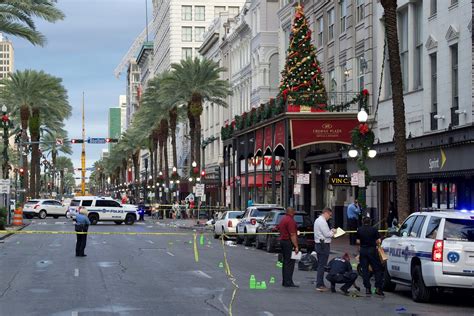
[(355, 179), (361, 178), (199, 189), (297, 189), (59, 141), (54, 194), (5, 186), (190, 197), (302, 178), (96, 140)]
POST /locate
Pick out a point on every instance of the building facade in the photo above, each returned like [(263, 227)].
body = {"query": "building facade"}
[(7, 57), (133, 89), (114, 124), (123, 113)]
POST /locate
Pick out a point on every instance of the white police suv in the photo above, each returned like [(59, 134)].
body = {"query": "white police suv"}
[(104, 209), (431, 251)]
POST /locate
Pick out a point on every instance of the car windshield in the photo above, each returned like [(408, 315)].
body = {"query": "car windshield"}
[(234, 214), (75, 202), (32, 202), (262, 212), (300, 219), (459, 229)]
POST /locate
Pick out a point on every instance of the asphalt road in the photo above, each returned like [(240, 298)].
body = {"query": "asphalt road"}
[(158, 275)]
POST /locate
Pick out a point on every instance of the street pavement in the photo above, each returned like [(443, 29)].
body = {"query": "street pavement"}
[(158, 275)]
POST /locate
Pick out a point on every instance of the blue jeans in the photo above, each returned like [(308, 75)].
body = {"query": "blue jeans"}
[(323, 255)]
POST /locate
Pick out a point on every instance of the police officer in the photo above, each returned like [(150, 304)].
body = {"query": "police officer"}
[(340, 271), (82, 225), (368, 239)]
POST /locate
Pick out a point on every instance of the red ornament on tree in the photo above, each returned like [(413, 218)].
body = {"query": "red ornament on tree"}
[(5, 118), (365, 93), (363, 128)]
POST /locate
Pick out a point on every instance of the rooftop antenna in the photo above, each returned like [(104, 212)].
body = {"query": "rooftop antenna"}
[(146, 18)]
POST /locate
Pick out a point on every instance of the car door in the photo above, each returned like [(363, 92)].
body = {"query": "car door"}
[(58, 208), (220, 222), (458, 252), (398, 257), (243, 220), (413, 246), (263, 228)]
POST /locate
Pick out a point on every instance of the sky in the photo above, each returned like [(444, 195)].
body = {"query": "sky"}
[(84, 50)]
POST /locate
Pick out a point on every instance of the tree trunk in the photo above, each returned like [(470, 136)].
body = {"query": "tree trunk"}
[(53, 160), (34, 125), (390, 14), (192, 131), (61, 184), (197, 141), (173, 114), (25, 116)]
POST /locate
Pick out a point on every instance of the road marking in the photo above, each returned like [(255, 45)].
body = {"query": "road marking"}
[(75, 314), (170, 254), (267, 313), (76, 272), (204, 274), (149, 241)]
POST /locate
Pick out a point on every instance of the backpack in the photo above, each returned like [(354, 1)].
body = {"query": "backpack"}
[(308, 262)]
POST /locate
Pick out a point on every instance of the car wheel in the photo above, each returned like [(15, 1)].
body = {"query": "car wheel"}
[(258, 244), (270, 244), (388, 285), (129, 219), (247, 240), (118, 222), (94, 219), (42, 214), (419, 291)]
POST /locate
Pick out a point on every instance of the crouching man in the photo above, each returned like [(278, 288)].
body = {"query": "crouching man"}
[(340, 271)]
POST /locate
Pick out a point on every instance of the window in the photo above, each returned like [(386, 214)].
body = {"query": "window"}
[(199, 33), (86, 202), (454, 2), (106, 203), (199, 13), (418, 62), (187, 34), (433, 7), (233, 11), (459, 229), (343, 10), (434, 91), (218, 10), (186, 52), (186, 13), (332, 81), (320, 31), (417, 226), (344, 74), (407, 225), (432, 229), (331, 25), (360, 10), (361, 64), (403, 33), (454, 85)]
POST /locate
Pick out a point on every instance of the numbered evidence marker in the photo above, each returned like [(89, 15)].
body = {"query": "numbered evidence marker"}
[(252, 282), (272, 280), (201, 240), (221, 265)]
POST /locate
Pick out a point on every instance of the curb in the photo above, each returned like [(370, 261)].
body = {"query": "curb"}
[(8, 235), (194, 227)]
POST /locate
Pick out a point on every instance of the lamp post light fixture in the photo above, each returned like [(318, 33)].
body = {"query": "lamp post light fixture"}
[(190, 179), (362, 116), (174, 169), (198, 179), (194, 164)]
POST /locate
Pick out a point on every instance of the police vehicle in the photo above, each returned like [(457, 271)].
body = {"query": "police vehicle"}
[(104, 209), (430, 252), (249, 221)]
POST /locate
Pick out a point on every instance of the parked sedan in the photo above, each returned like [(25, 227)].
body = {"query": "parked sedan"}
[(43, 208), (270, 225), (226, 223)]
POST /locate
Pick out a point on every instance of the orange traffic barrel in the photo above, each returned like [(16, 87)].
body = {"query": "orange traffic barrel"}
[(18, 217)]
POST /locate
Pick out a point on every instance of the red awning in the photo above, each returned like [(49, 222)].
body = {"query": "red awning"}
[(279, 135), (258, 141), (260, 179)]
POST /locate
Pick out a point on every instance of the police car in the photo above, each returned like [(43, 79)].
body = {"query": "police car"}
[(104, 209), (431, 251)]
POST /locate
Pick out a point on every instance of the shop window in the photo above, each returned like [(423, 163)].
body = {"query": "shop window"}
[(443, 195)]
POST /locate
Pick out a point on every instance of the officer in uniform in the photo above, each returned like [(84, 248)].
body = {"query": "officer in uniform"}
[(340, 271), (82, 225), (368, 239)]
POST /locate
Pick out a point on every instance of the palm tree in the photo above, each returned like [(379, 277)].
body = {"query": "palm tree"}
[(192, 82), (16, 18), (65, 166), (49, 146), (36, 97), (390, 16)]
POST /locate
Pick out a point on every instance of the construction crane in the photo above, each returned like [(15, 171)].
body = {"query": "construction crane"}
[(132, 51)]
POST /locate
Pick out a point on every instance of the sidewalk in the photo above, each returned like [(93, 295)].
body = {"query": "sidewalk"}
[(11, 228), (341, 245)]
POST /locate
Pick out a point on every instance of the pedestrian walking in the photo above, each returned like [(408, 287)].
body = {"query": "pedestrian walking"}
[(249, 202), (288, 242), (322, 238), (82, 225), (353, 213), (392, 215), (340, 271), (368, 239)]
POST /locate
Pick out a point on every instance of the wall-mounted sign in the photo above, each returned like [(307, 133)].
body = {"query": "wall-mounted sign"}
[(302, 178), (340, 179)]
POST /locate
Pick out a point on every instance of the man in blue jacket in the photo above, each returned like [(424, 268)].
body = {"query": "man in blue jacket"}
[(353, 213), (81, 226)]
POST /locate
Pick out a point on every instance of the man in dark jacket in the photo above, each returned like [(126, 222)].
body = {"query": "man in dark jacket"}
[(341, 272)]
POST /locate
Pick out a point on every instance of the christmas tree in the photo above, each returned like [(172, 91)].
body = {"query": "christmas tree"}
[(302, 81)]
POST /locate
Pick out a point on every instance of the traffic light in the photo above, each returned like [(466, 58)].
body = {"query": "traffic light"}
[(77, 141), (111, 140), (203, 173)]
